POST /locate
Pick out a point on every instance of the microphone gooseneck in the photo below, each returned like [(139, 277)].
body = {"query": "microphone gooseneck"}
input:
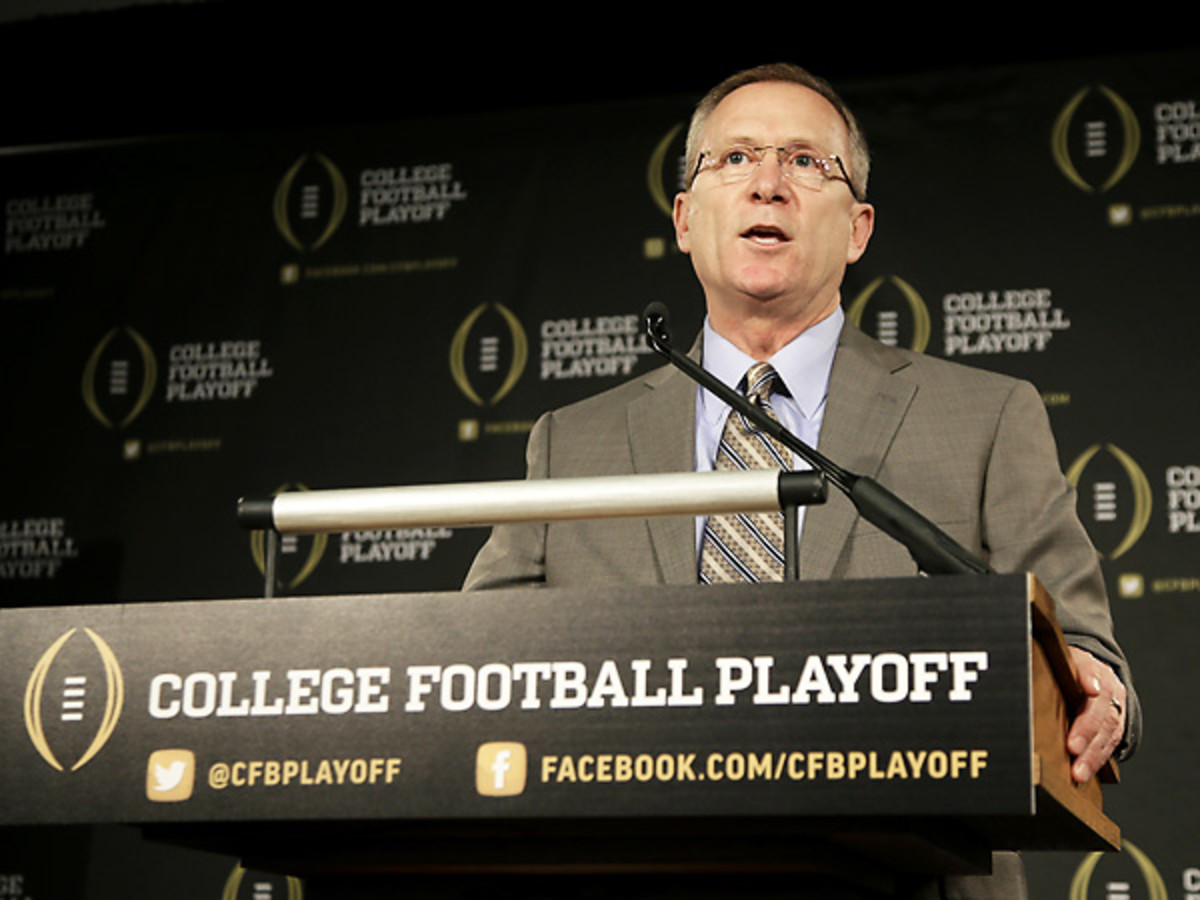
[(934, 551)]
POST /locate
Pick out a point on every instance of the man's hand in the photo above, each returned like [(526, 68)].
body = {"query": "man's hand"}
[(1099, 726)]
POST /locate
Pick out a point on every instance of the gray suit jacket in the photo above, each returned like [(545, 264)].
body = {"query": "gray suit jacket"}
[(970, 449)]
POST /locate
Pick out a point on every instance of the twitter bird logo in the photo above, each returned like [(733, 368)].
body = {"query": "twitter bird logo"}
[(170, 775), (167, 778)]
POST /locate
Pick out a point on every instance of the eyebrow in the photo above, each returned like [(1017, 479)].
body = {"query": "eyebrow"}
[(806, 143)]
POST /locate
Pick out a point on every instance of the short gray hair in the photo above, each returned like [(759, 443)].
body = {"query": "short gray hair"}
[(859, 162)]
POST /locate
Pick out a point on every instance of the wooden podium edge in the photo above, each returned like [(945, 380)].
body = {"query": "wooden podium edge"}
[(1056, 694)]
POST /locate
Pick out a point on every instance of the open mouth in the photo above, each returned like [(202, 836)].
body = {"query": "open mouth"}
[(765, 235)]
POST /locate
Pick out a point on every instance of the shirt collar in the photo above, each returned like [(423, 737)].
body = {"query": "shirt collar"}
[(803, 365)]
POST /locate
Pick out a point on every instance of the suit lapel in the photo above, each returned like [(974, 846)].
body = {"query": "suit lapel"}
[(865, 408), (662, 428)]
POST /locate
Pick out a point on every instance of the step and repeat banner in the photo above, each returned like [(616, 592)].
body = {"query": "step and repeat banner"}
[(190, 320)]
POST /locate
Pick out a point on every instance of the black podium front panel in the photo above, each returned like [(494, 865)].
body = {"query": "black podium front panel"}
[(907, 697)]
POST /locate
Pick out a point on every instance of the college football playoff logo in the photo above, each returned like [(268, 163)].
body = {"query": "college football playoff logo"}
[(310, 202), (119, 378), (1156, 889), (489, 335), (1115, 499), (293, 566), (891, 310), (1095, 139), (246, 885), (665, 175), (73, 699)]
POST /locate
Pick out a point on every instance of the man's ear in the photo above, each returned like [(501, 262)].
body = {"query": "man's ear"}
[(680, 215), (862, 224)]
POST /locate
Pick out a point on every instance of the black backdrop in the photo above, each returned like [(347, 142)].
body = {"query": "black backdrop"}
[(192, 318)]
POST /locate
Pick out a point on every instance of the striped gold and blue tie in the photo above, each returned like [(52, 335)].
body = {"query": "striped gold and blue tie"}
[(747, 546)]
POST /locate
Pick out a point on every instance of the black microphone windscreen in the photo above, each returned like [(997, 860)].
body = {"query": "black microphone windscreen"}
[(656, 319)]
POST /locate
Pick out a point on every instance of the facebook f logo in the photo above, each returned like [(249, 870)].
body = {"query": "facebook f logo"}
[(500, 765), (500, 769)]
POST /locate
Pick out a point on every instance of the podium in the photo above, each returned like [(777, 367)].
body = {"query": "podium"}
[(858, 732)]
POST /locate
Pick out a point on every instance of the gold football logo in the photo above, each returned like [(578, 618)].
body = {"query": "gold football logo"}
[(298, 212), (233, 884), (1111, 111), (888, 326), (258, 548), (664, 180), (74, 700), (1139, 486), (1156, 889), (119, 376), (489, 354)]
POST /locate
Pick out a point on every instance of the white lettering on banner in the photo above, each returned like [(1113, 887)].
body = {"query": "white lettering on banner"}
[(915, 677), (1011, 321), (1177, 132), (891, 677), (225, 370), (338, 691), (491, 687), (60, 222), (405, 195), (33, 549), (1183, 499), (1191, 883), (591, 347), (391, 545)]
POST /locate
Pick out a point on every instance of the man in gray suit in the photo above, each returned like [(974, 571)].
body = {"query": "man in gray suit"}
[(773, 213)]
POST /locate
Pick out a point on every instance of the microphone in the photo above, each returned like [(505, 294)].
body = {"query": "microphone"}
[(934, 551), (657, 320)]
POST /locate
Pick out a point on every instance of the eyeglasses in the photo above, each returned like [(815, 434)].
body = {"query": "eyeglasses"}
[(740, 161)]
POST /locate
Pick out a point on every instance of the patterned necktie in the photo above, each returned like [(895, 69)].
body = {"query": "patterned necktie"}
[(747, 546)]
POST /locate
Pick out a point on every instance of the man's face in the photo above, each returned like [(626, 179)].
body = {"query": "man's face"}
[(768, 249)]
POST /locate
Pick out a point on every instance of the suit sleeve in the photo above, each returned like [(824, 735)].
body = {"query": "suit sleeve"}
[(515, 555), (1030, 524)]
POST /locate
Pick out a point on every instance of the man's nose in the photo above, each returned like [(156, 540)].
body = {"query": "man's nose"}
[(767, 182)]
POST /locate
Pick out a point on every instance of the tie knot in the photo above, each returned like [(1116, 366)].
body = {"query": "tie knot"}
[(760, 379)]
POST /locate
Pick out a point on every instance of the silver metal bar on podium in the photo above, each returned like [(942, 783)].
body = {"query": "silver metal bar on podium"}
[(537, 500)]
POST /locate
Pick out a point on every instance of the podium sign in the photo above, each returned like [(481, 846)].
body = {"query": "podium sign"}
[(908, 697)]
